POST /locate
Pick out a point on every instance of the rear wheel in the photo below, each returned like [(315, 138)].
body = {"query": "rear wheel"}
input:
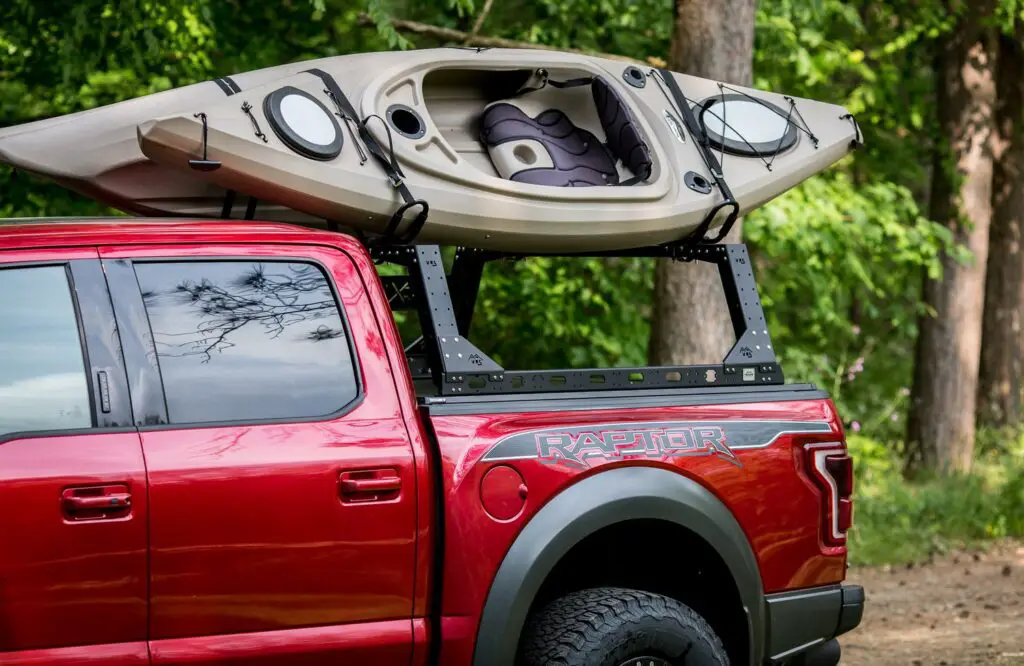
[(619, 627)]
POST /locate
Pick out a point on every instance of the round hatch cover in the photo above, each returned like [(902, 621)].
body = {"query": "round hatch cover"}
[(303, 123), (747, 126)]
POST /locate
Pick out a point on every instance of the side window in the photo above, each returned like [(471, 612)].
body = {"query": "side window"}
[(246, 341), (43, 381)]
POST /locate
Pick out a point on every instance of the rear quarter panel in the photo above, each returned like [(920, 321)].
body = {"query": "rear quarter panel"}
[(765, 488)]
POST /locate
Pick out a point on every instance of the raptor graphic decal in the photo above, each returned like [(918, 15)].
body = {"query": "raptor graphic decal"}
[(576, 446)]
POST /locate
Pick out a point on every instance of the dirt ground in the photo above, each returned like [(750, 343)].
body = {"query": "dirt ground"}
[(962, 609)]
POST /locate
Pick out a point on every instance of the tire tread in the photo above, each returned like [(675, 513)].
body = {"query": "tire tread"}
[(575, 629)]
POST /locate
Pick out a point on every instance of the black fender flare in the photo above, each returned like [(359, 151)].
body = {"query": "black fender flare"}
[(606, 498)]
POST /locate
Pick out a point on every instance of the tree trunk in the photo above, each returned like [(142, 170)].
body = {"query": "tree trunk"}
[(1002, 360), (944, 398), (712, 39)]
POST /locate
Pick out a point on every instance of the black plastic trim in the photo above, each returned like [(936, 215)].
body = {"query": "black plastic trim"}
[(744, 148), (44, 434), (800, 620), (853, 609), (802, 623), (314, 151), (596, 502), (103, 344), (568, 402), (149, 406), (435, 600), (145, 331), (827, 654), (634, 76), (414, 113), (697, 182), (83, 346)]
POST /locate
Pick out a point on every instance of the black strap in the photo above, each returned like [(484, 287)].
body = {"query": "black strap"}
[(250, 208), (389, 164), (704, 146), (634, 180), (545, 81), (223, 85), (858, 140), (229, 203), (572, 83), (228, 85)]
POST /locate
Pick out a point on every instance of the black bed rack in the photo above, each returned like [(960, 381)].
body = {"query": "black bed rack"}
[(445, 303)]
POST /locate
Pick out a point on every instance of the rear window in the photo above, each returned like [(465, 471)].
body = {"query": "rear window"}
[(43, 381), (247, 341)]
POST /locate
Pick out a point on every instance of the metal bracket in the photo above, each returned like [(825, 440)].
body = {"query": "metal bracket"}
[(457, 363)]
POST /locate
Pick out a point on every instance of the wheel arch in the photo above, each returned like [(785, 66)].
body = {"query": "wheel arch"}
[(597, 502)]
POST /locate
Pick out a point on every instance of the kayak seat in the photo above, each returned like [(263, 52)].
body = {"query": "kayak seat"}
[(549, 149), (624, 137), (545, 150)]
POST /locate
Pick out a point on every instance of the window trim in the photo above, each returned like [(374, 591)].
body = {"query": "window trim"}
[(85, 337), (158, 384), (88, 274)]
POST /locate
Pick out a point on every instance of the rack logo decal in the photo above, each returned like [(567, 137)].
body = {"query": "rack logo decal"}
[(576, 446)]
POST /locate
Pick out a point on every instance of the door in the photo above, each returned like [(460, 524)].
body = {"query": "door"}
[(282, 486), (72, 478)]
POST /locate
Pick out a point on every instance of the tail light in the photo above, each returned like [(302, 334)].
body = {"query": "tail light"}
[(831, 468)]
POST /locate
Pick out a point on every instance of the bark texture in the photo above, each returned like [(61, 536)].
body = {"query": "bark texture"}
[(1002, 359), (712, 39), (944, 397)]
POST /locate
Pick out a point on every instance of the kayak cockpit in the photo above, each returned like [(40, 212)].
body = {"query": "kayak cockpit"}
[(528, 126)]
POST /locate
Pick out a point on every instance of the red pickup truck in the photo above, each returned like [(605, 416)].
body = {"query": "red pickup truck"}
[(215, 448)]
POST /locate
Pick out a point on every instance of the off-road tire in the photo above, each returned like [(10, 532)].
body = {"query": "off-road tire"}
[(610, 626)]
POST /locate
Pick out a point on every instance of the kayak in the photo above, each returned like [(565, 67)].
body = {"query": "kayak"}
[(96, 152), (505, 149)]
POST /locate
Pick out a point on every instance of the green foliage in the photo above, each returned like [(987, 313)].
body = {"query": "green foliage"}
[(841, 267), (637, 28), (896, 522), (560, 313)]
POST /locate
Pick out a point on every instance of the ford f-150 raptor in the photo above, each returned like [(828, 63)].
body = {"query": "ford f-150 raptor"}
[(215, 448)]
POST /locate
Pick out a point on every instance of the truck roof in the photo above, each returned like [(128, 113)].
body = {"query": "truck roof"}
[(32, 232)]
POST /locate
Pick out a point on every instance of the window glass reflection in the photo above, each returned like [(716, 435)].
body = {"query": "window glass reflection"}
[(241, 341), (43, 382)]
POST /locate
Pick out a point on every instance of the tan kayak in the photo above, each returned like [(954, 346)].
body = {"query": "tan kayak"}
[(516, 150), (96, 152)]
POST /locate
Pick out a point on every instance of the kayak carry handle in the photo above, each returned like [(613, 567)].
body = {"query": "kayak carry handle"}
[(204, 164)]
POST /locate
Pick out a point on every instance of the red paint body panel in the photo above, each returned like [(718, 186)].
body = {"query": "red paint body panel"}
[(61, 582), (249, 531), (124, 654), (384, 643), (68, 583), (775, 504)]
